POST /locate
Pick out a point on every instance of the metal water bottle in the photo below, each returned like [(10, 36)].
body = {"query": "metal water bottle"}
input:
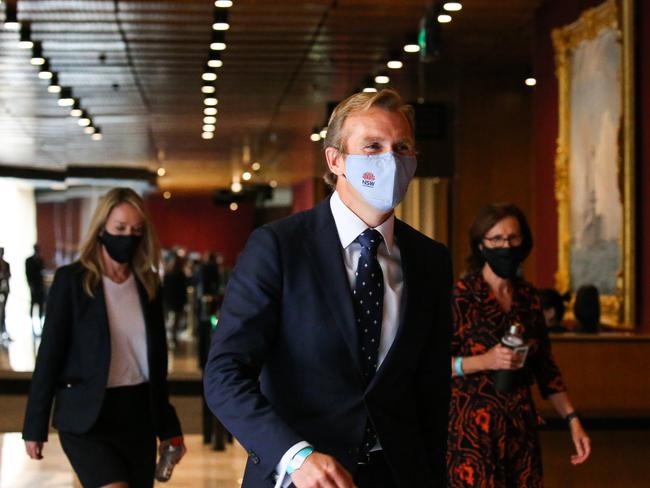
[(506, 379), (169, 457)]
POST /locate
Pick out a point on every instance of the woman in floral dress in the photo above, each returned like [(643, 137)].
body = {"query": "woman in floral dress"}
[(493, 440)]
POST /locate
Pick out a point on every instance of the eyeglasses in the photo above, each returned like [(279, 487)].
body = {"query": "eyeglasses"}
[(500, 241)]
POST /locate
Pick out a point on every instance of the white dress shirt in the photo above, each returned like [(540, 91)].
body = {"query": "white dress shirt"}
[(349, 226)]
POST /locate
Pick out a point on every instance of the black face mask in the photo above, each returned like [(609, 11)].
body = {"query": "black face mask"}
[(120, 248), (504, 261)]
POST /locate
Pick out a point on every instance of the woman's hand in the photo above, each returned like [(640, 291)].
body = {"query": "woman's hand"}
[(501, 357), (581, 441), (34, 449), (175, 441)]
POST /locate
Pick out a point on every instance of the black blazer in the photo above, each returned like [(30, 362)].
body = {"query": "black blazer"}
[(74, 357), (288, 319)]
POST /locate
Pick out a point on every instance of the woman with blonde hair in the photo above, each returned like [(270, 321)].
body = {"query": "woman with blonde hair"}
[(103, 354)]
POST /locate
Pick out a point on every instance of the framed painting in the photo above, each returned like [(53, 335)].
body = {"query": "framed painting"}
[(594, 167)]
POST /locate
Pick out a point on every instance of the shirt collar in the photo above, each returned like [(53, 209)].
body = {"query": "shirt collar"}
[(349, 225)]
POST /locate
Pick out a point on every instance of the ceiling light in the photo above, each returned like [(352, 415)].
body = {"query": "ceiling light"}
[(234, 206), (382, 79), (220, 20), (273, 183), (323, 133), (452, 6), (11, 16), (89, 130), (65, 97), (209, 120), (84, 120), (97, 136), (25, 36), (411, 48), (210, 101), (218, 41), (207, 135), (37, 54), (223, 3), (161, 171), (256, 166), (315, 136), (236, 187), (370, 89), (214, 61), (76, 111), (54, 84), (208, 89), (394, 64), (210, 111), (209, 127), (45, 73), (246, 175), (444, 18), (530, 81), (209, 76), (167, 195)]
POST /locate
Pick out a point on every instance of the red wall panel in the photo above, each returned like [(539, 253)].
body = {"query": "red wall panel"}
[(194, 222)]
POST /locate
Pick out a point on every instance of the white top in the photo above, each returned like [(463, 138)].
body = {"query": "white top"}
[(129, 364), (349, 226)]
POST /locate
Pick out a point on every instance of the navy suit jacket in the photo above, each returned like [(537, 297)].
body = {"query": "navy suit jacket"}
[(284, 363), (74, 358)]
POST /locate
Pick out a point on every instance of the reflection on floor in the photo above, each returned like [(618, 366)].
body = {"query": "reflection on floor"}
[(201, 467)]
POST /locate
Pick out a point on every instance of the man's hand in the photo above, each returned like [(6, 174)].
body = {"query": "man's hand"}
[(34, 449), (321, 471)]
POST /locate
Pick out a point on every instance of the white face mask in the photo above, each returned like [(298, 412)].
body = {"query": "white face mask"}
[(381, 179)]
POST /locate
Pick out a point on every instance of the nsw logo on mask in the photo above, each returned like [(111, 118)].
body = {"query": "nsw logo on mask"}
[(368, 179), (381, 179)]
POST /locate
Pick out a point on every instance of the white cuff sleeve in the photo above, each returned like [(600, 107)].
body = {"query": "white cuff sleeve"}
[(283, 481)]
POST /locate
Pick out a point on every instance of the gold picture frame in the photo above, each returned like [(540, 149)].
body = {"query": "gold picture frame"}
[(614, 18)]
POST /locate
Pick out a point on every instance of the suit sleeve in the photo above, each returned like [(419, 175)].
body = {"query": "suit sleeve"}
[(50, 358), (434, 381), (247, 329)]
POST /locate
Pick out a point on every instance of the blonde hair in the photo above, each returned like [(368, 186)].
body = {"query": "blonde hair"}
[(388, 100), (147, 256)]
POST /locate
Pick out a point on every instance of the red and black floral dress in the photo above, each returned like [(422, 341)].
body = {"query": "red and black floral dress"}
[(493, 440)]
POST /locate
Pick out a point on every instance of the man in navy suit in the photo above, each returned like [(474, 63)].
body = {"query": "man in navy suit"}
[(330, 363)]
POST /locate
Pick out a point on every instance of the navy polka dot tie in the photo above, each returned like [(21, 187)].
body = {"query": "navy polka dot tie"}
[(368, 297)]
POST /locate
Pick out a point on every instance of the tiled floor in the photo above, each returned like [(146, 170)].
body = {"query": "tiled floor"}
[(201, 468)]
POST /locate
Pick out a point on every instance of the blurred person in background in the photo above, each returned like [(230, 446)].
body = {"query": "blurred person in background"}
[(103, 354), (5, 276), (34, 267), (174, 296), (553, 308)]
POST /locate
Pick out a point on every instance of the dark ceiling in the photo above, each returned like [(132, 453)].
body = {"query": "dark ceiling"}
[(136, 68)]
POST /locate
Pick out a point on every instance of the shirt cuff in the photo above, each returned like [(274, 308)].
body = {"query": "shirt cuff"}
[(282, 480)]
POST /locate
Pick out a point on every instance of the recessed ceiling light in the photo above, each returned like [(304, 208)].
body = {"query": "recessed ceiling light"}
[(209, 120), (223, 3), (412, 48), (207, 135), (444, 18), (394, 64), (210, 111), (452, 6)]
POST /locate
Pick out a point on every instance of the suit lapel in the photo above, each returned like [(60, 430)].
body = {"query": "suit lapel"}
[(326, 258)]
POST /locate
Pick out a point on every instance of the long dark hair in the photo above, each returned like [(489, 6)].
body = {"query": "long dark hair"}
[(487, 218)]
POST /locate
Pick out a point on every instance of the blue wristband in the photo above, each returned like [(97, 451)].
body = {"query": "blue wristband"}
[(298, 459), (458, 366)]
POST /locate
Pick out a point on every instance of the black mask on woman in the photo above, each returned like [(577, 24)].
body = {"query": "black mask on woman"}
[(504, 261), (120, 248)]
